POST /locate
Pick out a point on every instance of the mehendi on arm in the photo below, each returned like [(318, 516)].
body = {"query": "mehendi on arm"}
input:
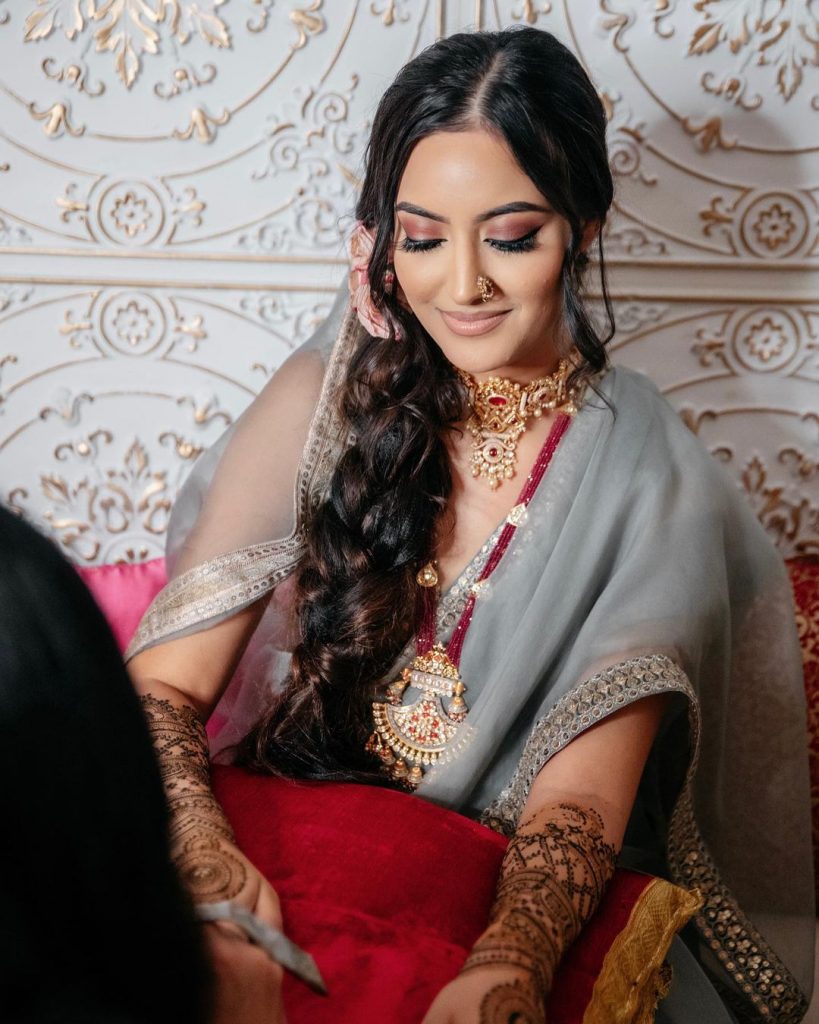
[(554, 872), (202, 841)]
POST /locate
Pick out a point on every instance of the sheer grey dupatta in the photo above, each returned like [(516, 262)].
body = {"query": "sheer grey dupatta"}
[(236, 530)]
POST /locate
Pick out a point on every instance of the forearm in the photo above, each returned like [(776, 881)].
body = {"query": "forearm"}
[(202, 841), (554, 872)]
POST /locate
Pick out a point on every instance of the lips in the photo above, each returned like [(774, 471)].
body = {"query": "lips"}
[(471, 324)]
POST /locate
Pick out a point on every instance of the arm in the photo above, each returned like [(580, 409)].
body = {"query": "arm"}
[(248, 500), (202, 841), (554, 871)]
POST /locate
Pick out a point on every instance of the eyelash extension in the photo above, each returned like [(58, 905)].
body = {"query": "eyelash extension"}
[(523, 244)]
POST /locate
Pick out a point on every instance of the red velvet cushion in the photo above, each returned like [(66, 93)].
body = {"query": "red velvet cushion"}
[(805, 580), (123, 592), (389, 892)]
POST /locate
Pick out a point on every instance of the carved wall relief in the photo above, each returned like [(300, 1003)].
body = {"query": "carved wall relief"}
[(178, 180)]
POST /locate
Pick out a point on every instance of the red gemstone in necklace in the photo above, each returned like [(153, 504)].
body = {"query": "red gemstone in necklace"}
[(497, 400)]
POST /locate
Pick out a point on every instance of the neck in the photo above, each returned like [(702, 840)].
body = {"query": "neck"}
[(519, 373), (516, 373)]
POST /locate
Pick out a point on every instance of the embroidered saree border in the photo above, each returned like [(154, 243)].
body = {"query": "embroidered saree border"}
[(758, 974), (236, 579), (768, 988), (202, 593), (591, 701)]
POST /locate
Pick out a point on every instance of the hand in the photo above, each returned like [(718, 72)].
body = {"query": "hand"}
[(214, 869), (489, 995), (247, 983)]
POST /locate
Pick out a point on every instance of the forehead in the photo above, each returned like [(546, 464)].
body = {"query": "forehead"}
[(467, 172)]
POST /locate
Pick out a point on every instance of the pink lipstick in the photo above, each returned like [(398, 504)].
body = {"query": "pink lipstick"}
[(471, 324)]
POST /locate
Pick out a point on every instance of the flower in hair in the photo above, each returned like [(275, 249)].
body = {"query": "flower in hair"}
[(361, 247)]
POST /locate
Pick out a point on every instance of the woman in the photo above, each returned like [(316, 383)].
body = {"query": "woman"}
[(95, 925), (594, 679)]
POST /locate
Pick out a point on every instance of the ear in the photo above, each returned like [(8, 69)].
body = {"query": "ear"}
[(398, 292), (590, 230)]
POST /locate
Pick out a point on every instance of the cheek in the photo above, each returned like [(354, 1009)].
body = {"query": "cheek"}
[(416, 276), (539, 282)]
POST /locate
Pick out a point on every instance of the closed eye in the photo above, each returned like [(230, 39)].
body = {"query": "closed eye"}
[(525, 243)]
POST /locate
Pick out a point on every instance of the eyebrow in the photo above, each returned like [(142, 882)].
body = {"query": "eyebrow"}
[(497, 211)]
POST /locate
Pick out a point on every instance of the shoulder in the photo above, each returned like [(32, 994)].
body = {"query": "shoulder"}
[(656, 454), (633, 394), (283, 409), (642, 414)]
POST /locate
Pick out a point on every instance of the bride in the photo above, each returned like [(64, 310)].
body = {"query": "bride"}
[(450, 549)]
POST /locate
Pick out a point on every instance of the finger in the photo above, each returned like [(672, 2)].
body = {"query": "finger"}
[(229, 930), (268, 907)]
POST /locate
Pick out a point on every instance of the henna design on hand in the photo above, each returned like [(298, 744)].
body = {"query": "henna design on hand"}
[(511, 1003), (202, 841), (552, 877)]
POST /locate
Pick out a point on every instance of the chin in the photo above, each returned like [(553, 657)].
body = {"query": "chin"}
[(471, 360)]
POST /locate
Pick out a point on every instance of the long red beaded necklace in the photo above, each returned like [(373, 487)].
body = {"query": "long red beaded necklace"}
[(410, 738)]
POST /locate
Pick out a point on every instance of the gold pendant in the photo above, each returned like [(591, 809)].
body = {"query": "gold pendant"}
[(494, 456), (409, 738), (427, 576)]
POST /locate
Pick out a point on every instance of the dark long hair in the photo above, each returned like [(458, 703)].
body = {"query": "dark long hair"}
[(356, 588), (95, 925)]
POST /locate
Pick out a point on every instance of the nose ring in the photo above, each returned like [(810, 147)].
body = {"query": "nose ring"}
[(486, 287)]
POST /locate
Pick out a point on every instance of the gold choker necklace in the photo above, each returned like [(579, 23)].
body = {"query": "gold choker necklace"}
[(500, 410)]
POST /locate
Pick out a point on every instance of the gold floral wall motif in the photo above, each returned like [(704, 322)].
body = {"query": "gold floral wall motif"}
[(178, 181)]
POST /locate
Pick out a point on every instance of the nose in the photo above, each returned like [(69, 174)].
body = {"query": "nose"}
[(464, 270)]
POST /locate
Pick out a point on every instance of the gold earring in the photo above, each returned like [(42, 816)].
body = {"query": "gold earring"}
[(486, 287)]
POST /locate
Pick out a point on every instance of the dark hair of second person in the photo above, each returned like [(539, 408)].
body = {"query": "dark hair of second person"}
[(95, 924)]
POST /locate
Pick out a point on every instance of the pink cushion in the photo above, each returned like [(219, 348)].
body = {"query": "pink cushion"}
[(123, 592)]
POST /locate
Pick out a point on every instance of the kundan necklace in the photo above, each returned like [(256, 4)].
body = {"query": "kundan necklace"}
[(409, 738), (500, 410)]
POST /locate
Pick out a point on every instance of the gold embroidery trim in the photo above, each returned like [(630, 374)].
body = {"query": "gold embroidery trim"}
[(632, 981), (222, 584)]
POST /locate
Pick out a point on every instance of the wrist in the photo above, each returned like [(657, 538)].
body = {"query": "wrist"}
[(513, 948)]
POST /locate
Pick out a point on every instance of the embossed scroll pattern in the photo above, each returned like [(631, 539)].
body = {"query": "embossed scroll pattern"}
[(780, 34), (91, 505), (218, 145), (756, 55), (184, 41)]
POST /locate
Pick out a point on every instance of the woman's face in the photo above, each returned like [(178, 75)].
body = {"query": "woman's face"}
[(465, 208)]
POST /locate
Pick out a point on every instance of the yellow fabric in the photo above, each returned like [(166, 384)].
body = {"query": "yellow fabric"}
[(633, 978)]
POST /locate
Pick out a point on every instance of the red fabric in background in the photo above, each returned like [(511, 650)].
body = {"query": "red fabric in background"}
[(389, 892), (805, 582)]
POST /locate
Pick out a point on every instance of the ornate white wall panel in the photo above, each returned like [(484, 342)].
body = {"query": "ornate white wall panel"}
[(176, 179)]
